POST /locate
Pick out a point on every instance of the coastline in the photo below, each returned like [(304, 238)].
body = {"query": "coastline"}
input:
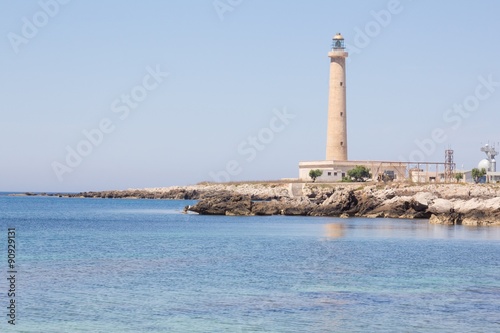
[(467, 204)]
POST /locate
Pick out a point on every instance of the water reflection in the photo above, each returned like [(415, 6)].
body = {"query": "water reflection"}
[(334, 230), (417, 229), (465, 232)]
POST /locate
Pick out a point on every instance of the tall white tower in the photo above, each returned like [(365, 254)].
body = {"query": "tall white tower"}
[(336, 138)]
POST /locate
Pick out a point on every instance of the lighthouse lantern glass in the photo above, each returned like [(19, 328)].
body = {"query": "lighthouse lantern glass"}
[(338, 44)]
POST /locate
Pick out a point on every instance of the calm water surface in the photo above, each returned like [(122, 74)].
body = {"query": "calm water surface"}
[(95, 265)]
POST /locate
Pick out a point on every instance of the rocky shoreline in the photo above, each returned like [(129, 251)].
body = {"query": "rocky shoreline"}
[(442, 204), (467, 204)]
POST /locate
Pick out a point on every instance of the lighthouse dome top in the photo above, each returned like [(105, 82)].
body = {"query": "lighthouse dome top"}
[(338, 37)]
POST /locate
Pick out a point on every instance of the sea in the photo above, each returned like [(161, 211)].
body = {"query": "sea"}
[(118, 265)]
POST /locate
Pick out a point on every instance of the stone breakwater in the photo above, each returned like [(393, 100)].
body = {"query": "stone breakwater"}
[(467, 204)]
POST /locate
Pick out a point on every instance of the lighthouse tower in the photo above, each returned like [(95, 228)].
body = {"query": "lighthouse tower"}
[(336, 138), (336, 166)]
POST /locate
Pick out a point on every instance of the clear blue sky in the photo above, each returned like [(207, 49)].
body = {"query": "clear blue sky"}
[(231, 69)]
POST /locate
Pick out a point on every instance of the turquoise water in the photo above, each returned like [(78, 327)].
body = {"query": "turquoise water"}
[(103, 265)]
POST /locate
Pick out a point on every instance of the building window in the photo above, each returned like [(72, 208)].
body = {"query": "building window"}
[(341, 114), (343, 174), (334, 173), (341, 84), (342, 143), (329, 174)]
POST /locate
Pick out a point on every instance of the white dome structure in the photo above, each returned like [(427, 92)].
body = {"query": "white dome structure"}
[(484, 164), (490, 153)]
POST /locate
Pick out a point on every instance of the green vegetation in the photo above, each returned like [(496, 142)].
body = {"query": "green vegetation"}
[(459, 176), (315, 174), (478, 174), (359, 173)]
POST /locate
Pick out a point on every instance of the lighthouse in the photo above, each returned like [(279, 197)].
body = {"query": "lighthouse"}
[(336, 139), (336, 166)]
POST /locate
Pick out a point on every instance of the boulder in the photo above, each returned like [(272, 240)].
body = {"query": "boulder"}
[(301, 206), (481, 218), (393, 208), (272, 207), (449, 219), (341, 201), (367, 202), (441, 206), (422, 200), (224, 204)]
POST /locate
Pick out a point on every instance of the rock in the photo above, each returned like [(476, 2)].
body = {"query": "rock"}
[(301, 206), (272, 207), (341, 201), (441, 206), (296, 210), (366, 204), (481, 218), (375, 215), (468, 204), (449, 219), (387, 194), (393, 208), (224, 204), (422, 200)]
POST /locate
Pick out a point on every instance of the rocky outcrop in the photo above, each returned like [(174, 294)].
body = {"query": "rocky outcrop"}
[(342, 201), (224, 204), (441, 204), (257, 191), (467, 204)]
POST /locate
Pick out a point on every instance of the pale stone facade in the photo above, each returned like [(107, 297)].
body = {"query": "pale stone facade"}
[(334, 171)]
